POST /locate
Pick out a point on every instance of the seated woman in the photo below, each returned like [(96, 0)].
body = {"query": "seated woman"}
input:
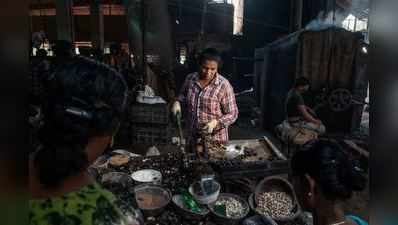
[(298, 114), (324, 177), (81, 116)]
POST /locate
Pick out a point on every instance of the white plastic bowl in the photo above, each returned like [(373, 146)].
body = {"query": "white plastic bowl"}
[(147, 176)]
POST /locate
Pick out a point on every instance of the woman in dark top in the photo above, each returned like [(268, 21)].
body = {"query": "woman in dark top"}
[(324, 177), (297, 112), (82, 114)]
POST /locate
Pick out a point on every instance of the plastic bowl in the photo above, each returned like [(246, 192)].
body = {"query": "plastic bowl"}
[(151, 199), (147, 176), (205, 198), (187, 213), (221, 219)]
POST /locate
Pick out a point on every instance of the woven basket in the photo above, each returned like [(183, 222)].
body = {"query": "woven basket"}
[(275, 183)]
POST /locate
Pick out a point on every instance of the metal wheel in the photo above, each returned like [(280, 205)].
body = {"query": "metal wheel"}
[(340, 100)]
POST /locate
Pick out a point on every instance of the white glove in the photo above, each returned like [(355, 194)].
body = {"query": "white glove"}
[(209, 127), (176, 108)]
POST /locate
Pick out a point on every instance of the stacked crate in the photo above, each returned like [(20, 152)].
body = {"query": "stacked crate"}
[(150, 124)]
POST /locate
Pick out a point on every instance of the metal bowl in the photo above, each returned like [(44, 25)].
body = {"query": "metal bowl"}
[(187, 213), (221, 219), (116, 178), (151, 199), (276, 183), (265, 218), (116, 182)]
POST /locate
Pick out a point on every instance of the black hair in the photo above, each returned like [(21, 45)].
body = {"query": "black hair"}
[(86, 51), (327, 163), (210, 54), (63, 48), (41, 53), (301, 81), (115, 48), (86, 99)]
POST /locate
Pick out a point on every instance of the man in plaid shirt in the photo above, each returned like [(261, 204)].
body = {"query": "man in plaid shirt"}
[(208, 99)]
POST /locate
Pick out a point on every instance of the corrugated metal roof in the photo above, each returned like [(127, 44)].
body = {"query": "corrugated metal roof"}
[(359, 8)]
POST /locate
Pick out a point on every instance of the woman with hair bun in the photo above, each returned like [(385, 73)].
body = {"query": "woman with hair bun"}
[(82, 114), (324, 178)]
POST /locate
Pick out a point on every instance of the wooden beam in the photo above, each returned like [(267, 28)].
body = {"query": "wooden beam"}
[(355, 147), (274, 148)]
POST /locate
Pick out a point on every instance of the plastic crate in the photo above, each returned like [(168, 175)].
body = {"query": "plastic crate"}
[(147, 134), (149, 114)]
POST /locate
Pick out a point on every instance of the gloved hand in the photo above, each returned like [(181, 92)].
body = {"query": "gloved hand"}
[(209, 127), (176, 108)]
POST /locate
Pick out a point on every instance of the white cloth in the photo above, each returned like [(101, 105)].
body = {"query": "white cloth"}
[(298, 133), (148, 97)]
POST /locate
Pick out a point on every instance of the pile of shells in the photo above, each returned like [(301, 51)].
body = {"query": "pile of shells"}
[(208, 147), (275, 204), (216, 150), (234, 208)]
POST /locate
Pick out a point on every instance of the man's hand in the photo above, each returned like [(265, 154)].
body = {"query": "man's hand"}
[(209, 127), (176, 108)]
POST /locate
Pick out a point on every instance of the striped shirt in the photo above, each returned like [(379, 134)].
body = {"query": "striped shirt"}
[(215, 101)]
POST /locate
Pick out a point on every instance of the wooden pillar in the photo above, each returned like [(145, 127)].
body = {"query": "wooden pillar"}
[(296, 17), (134, 30), (163, 41), (97, 24), (64, 19)]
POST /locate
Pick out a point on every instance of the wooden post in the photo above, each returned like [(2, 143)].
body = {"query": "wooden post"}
[(274, 148), (143, 30), (133, 30), (64, 17), (97, 25)]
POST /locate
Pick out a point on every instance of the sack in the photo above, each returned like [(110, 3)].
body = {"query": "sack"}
[(304, 135), (294, 134)]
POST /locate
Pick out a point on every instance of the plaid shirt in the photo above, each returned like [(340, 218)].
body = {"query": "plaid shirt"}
[(216, 101)]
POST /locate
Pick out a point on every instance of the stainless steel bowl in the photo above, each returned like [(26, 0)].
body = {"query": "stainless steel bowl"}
[(151, 199)]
